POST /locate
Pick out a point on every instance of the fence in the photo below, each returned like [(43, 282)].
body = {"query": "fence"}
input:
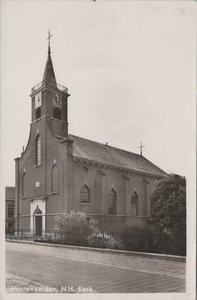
[(103, 239), (42, 227)]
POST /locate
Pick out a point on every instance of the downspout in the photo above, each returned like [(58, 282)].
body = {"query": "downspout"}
[(45, 173), (17, 194)]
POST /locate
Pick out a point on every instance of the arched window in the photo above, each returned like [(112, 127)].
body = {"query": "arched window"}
[(38, 221), (24, 185), (54, 179), (38, 151), (38, 113), (57, 113), (37, 211), (85, 194), (112, 202), (134, 204)]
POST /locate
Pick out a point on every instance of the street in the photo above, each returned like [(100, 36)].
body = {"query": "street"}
[(32, 268)]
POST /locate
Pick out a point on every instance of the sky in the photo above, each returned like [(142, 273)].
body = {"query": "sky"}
[(129, 67)]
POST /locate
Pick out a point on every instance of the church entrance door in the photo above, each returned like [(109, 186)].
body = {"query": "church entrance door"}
[(39, 225), (38, 222)]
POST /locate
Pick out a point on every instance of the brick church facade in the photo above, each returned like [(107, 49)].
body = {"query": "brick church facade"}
[(59, 172)]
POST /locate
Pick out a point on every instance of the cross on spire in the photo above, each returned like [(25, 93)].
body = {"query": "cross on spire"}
[(49, 75), (141, 146), (49, 37)]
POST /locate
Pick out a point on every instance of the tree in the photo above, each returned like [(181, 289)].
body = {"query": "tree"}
[(168, 210)]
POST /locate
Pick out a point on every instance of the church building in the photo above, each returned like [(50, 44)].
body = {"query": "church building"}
[(58, 172)]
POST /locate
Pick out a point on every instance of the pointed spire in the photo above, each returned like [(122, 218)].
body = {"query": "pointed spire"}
[(49, 37), (49, 75)]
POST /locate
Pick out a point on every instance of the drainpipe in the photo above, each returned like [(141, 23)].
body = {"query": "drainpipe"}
[(45, 175), (17, 193)]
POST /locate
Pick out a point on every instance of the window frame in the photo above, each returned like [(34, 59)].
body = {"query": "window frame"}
[(57, 113), (85, 191), (53, 191), (12, 209), (112, 198), (38, 151), (23, 191), (38, 113), (135, 201)]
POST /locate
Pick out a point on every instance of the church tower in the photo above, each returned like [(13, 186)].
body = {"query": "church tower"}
[(49, 99), (44, 167)]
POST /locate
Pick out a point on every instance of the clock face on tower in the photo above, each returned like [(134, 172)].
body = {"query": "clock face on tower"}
[(38, 100), (57, 100)]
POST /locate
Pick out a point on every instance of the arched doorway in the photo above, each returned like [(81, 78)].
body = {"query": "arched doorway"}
[(38, 221)]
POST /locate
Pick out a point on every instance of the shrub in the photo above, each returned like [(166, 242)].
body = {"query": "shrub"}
[(150, 239), (165, 242), (168, 214), (74, 228), (96, 240), (103, 240), (137, 239)]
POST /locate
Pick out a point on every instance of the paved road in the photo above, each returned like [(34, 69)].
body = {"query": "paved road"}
[(37, 267)]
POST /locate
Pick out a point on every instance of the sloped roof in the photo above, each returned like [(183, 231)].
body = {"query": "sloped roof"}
[(104, 154)]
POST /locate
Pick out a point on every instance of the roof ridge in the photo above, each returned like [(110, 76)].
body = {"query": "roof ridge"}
[(107, 145), (119, 157)]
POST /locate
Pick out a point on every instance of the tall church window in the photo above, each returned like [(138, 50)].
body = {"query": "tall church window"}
[(23, 185), (38, 151), (54, 179), (38, 113), (134, 204), (57, 113), (112, 201), (85, 194)]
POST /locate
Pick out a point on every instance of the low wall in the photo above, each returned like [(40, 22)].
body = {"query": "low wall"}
[(113, 223)]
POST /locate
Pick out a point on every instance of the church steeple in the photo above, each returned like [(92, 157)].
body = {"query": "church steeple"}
[(50, 101), (49, 75)]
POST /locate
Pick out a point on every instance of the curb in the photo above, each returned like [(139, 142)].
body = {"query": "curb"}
[(112, 251)]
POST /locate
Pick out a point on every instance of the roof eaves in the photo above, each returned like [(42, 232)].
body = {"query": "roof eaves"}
[(105, 165)]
